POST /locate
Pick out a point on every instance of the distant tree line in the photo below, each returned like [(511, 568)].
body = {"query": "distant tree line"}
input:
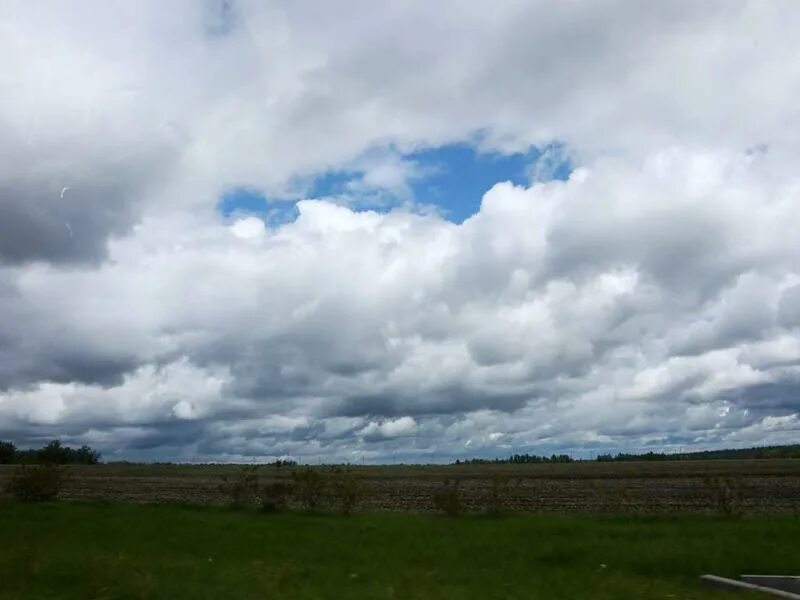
[(517, 459), (763, 452), (53, 453)]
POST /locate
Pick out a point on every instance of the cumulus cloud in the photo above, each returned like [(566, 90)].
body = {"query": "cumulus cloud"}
[(388, 429), (651, 298)]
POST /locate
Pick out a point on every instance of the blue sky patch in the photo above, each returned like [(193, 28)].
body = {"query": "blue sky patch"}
[(243, 200), (451, 178), (460, 175), (332, 183)]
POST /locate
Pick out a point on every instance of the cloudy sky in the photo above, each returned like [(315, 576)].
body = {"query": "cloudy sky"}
[(398, 230)]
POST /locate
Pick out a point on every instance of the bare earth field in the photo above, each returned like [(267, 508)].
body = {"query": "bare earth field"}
[(769, 486)]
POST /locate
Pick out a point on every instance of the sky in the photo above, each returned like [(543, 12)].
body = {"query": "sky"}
[(372, 231)]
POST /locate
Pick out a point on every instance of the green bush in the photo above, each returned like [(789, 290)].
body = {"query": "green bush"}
[(345, 490), (36, 484), (241, 489), (448, 499), (309, 487), (275, 496)]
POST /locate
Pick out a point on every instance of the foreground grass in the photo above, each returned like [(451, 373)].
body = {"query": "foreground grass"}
[(71, 550)]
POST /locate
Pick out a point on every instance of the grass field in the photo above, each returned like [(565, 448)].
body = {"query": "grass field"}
[(99, 550)]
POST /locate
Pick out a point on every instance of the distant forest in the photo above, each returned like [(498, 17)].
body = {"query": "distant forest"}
[(763, 452), (51, 453), (56, 453)]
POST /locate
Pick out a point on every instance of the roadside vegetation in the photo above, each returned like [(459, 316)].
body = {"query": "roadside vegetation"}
[(40, 475), (91, 550), (335, 489)]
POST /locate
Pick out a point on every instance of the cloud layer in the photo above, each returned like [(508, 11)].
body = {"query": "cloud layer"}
[(651, 298)]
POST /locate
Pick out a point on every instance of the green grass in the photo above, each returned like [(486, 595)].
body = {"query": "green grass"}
[(69, 550)]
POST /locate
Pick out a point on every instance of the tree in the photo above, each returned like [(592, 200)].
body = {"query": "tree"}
[(53, 454), (86, 456), (8, 453)]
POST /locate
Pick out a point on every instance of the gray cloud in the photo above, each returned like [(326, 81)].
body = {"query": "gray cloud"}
[(64, 221), (789, 307), (650, 299)]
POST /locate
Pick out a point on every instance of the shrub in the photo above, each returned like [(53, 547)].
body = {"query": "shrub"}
[(448, 500), (727, 495), (275, 496), (498, 490), (309, 486), (240, 489), (36, 484), (346, 490)]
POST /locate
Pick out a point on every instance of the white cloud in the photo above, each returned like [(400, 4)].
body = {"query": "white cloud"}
[(388, 429), (249, 228), (650, 297)]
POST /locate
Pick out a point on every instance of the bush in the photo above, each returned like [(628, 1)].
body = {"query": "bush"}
[(448, 500), (309, 486), (498, 490), (240, 489), (275, 496), (346, 490), (727, 495), (36, 484)]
